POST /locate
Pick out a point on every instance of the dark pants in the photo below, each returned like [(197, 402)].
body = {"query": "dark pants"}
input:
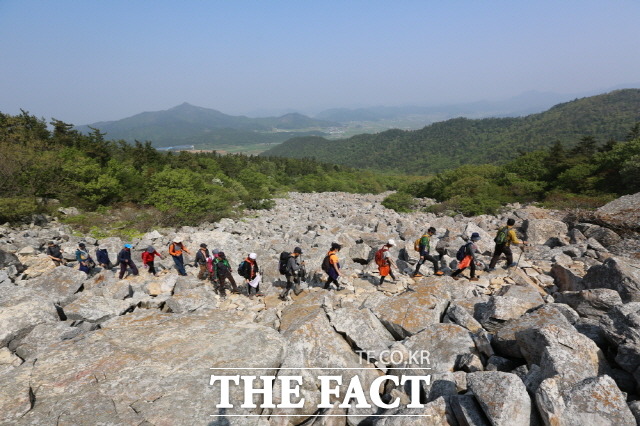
[(222, 278), (501, 248), (123, 268), (331, 280), (423, 258), (179, 264), (293, 282), (152, 268), (383, 277), (472, 266)]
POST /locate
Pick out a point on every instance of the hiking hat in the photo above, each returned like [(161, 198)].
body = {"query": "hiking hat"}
[(221, 254), (475, 236), (177, 240), (203, 245), (150, 249), (128, 246), (50, 243), (391, 242), (431, 230), (82, 245), (253, 256), (215, 251), (297, 250)]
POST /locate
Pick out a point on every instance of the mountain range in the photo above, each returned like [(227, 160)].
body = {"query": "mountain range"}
[(451, 143), (187, 124)]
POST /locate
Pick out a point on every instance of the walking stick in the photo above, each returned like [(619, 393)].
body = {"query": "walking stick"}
[(518, 261)]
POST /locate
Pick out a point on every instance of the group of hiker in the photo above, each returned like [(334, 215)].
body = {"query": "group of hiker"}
[(215, 266)]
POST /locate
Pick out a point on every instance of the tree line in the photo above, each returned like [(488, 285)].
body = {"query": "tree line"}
[(41, 162), (587, 174)]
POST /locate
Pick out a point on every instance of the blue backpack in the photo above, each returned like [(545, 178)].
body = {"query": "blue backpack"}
[(462, 252)]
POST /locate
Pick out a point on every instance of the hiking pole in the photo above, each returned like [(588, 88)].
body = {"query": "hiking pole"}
[(518, 261)]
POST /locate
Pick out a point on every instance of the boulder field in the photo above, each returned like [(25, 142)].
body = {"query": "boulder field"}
[(554, 340)]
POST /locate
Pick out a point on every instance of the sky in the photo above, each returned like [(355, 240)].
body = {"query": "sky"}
[(87, 61)]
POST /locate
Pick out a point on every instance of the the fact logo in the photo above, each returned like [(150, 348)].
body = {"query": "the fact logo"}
[(349, 392)]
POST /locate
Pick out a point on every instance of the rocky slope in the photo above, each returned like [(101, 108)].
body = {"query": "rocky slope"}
[(552, 341)]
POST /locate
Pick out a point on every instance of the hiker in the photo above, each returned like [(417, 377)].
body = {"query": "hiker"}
[(201, 261), (102, 256), (385, 262), (85, 262), (424, 246), (331, 265), (175, 250), (504, 238), (148, 257), (222, 272), (293, 271), (249, 270), (55, 253), (125, 261), (469, 259)]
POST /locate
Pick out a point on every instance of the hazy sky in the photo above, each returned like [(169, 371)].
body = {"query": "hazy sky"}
[(87, 61)]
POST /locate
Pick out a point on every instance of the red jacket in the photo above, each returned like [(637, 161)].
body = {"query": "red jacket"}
[(148, 257)]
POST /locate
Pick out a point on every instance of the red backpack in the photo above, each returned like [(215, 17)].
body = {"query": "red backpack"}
[(379, 258)]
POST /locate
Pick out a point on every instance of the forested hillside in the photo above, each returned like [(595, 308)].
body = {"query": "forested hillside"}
[(446, 145), (90, 172)]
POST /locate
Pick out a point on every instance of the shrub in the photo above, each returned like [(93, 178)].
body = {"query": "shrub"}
[(400, 202), (16, 209)]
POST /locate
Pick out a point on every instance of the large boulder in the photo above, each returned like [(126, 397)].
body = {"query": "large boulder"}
[(408, 313), (314, 348), (618, 275), (502, 396), (363, 330), (143, 368), (546, 231), (505, 342), (8, 260), (592, 304), (21, 309), (622, 213), (60, 285), (592, 401), (445, 345)]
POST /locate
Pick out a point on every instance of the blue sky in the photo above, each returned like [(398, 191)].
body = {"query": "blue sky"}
[(87, 61)]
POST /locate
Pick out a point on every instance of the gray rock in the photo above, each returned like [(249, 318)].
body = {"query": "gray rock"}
[(60, 285), (41, 337), (592, 401), (502, 396), (500, 309), (467, 411), (565, 278), (621, 213), (546, 231), (444, 343), (591, 303), (505, 342), (191, 300), (561, 351), (9, 259), (96, 309), (22, 309), (604, 236), (618, 275), (363, 330)]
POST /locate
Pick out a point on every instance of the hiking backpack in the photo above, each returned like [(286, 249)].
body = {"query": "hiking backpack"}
[(379, 257), (462, 252), (416, 243), (242, 269), (283, 262), (501, 237), (326, 263)]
